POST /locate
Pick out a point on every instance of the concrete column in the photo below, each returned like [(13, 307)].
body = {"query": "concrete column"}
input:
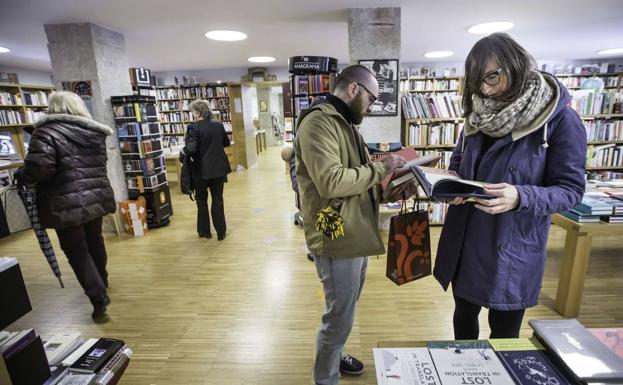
[(86, 51), (374, 33), (263, 96)]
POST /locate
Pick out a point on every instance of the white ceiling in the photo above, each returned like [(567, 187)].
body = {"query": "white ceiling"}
[(169, 35)]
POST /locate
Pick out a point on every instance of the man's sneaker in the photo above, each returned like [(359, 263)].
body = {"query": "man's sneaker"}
[(351, 365)]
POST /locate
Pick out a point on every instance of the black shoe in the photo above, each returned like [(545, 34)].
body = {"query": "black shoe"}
[(220, 237), (310, 256), (209, 236), (351, 365), (99, 306)]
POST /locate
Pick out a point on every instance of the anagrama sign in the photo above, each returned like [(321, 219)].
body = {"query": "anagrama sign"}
[(311, 64)]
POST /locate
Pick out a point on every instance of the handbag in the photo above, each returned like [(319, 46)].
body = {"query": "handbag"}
[(14, 210), (186, 179), (408, 247)]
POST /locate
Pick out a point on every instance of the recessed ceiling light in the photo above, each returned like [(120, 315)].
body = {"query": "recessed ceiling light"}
[(611, 51), (487, 28), (223, 35), (261, 59), (438, 54), (4, 50)]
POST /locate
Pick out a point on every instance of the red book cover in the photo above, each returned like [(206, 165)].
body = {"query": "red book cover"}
[(611, 337)]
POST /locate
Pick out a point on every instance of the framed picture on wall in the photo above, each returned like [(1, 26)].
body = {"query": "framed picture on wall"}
[(386, 72), (263, 106)]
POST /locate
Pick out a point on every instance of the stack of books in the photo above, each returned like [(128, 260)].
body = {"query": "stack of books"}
[(91, 362), (591, 210)]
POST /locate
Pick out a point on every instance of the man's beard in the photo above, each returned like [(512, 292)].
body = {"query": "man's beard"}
[(358, 109)]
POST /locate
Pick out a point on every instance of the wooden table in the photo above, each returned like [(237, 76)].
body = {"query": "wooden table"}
[(575, 261)]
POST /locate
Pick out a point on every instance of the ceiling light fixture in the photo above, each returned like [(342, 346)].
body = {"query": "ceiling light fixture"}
[(438, 54), (487, 28), (223, 35), (4, 50), (610, 51), (261, 59)]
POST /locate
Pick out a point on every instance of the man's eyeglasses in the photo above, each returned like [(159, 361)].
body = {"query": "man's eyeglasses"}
[(492, 78), (372, 98)]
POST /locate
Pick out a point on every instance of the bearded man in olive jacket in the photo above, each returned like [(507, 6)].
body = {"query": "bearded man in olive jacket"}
[(334, 171)]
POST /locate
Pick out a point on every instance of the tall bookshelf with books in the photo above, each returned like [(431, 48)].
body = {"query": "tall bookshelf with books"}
[(431, 118), (598, 99), (20, 106), (311, 79), (175, 114), (142, 155)]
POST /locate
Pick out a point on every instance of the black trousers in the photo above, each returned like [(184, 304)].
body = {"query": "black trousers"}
[(503, 324), (217, 208), (84, 247)]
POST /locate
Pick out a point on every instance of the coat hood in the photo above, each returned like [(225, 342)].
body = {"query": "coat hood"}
[(324, 106), (558, 103)]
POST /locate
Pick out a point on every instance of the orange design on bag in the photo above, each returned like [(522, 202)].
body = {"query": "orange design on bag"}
[(415, 234)]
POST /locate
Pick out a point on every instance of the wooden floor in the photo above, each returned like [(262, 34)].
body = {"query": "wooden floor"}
[(246, 310)]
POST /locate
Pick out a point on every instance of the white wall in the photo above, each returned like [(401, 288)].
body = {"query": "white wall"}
[(214, 75), (30, 77)]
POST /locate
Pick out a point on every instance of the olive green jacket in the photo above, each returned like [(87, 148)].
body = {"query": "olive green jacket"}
[(330, 172)]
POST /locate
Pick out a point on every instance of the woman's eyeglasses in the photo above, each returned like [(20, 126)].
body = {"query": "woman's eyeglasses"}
[(492, 78)]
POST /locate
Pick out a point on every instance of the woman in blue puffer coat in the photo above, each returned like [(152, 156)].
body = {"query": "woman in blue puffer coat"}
[(521, 138)]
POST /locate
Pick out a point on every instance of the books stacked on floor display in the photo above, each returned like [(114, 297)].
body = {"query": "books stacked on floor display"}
[(142, 153)]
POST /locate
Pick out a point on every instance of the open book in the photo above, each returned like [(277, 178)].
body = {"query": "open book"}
[(404, 173), (445, 185)]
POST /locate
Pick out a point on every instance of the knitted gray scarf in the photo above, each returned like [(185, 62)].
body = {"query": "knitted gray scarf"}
[(497, 118)]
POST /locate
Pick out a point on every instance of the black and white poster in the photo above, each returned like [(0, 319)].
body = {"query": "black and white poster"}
[(386, 72)]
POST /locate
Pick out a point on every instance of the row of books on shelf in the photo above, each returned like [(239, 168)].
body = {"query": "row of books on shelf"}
[(576, 81), (312, 84), (412, 85), (591, 102), (142, 183), (584, 69), (425, 71), (140, 112), (608, 155), (173, 128), (603, 175), (178, 117), (9, 117), (184, 105), (604, 130), (205, 91), (140, 147), (145, 167), (35, 98), (193, 92), (561, 352), (137, 129), (301, 104), (10, 99), (34, 115), (433, 134), (442, 105)]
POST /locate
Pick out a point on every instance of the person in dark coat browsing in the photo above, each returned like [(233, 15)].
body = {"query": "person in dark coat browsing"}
[(522, 139), (205, 144), (67, 160)]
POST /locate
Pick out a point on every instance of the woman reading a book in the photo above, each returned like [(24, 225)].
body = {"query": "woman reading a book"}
[(67, 161), (529, 148)]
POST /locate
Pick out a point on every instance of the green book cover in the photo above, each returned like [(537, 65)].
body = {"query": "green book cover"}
[(515, 344)]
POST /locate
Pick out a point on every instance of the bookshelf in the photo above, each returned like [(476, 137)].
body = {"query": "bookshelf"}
[(142, 155), (311, 79), (20, 106), (174, 112), (602, 115)]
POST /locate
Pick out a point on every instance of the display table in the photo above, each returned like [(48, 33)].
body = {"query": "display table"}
[(575, 261), (174, 166)]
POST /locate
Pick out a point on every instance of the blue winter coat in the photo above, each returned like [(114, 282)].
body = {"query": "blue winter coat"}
[(497, 261)]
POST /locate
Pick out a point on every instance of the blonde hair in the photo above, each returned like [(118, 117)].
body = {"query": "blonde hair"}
[(65, 102), (202, 107)]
